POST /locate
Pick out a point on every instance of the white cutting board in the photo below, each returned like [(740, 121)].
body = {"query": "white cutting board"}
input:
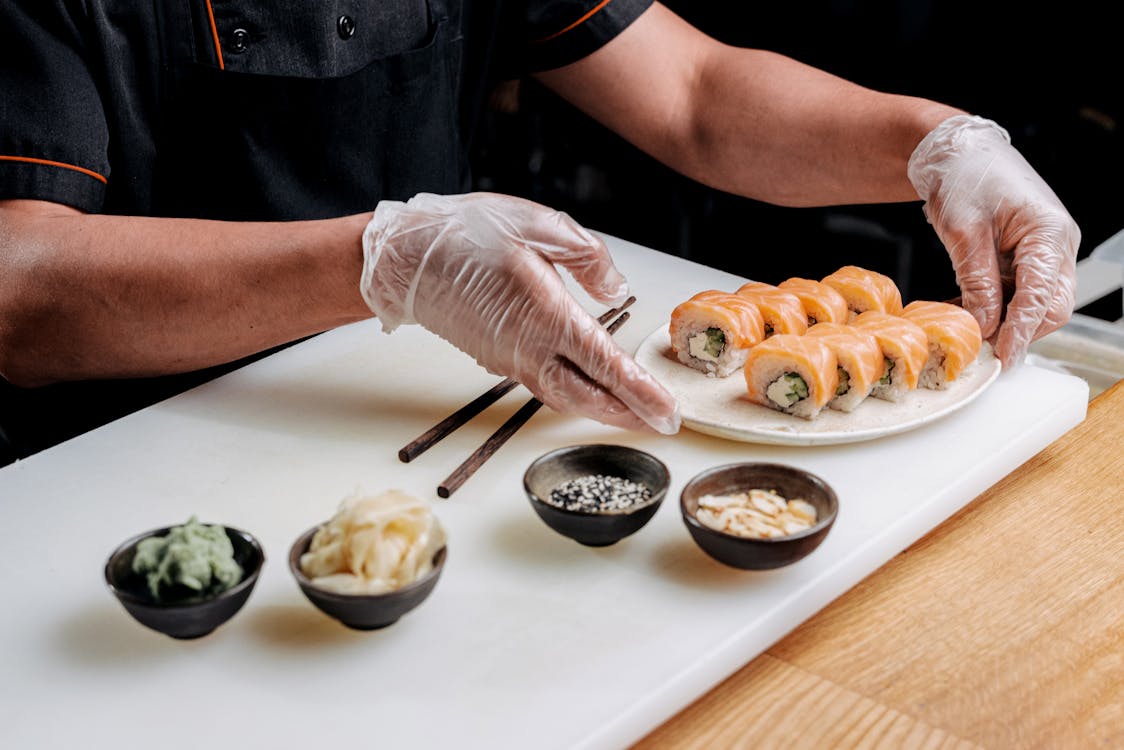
[(529, 640)]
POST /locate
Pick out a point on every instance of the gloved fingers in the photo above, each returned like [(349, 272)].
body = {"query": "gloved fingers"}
[(1065, 296), (1067, 240), (977, 274), (598, 357), (555, 236), (564, 388), (1037, 268)]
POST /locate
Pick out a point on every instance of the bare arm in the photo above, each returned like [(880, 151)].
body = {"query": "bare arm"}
[(767, 127), (91, 296), (747, 121)]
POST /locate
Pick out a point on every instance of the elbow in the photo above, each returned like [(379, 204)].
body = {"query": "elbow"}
[(21, 379), (21, 361), (25, 356), (29, 309)]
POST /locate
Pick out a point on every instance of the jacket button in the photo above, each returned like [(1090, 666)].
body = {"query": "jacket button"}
[(345, 27), (239, 40)]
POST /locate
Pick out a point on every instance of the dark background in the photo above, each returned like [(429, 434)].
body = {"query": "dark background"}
[(1048, 77)]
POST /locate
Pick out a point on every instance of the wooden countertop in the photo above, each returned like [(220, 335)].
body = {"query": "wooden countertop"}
[(1002, 628)]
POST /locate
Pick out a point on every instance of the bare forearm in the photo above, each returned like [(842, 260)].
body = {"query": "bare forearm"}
[(767, 126), (748, 121), (87, 296)]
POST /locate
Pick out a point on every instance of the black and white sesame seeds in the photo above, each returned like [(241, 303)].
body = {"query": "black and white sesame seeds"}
[(600, 493)]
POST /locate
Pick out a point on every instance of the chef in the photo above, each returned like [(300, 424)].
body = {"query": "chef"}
[(185, 185)]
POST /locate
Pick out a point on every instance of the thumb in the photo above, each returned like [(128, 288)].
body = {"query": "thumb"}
[(555, 236)]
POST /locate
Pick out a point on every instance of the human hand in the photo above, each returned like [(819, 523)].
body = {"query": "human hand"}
[(479, 271), (1003, 227)]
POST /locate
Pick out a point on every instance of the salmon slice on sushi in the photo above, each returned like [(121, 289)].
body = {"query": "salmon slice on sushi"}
[(713, 332), (793, 374), (822, 303), (865, 290), (905, 350), (954, 340), (859, 362), (782, 311)]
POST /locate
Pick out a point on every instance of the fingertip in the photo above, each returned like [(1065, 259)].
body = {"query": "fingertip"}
[(600, 277), (985, 311), (667, 425), (566, 389), (562, 240), (1011, 346), (1012, 360), (614, 294)]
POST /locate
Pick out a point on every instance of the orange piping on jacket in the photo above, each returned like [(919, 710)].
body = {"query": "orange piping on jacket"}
[(50, 163), (593, 11), (215, 32)]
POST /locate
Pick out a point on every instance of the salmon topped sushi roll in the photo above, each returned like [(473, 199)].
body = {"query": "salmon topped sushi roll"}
[(793, 374), (865, 290), (822, 303), (859, 362), (713, 331), (905, 350), (954, 340), (782, 311)]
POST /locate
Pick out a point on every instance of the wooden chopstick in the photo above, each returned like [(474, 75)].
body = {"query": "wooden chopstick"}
[(439, 431), (501, 436)]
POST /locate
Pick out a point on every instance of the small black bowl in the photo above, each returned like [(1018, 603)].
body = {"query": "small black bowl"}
[(595, 529), (189, 617), (750, 553), (363, 611)]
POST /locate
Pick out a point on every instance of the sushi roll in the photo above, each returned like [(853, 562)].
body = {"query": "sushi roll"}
[(793, 374), (865, 290), (822, 303), (713, 331), (781, 310), (905, 349), (954, 340), (859, 362)]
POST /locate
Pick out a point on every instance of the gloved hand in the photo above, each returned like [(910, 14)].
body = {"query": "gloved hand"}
[(478, 270), (1002, 226)]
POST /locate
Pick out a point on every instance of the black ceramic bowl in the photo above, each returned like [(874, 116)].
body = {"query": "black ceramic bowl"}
[(750, 553), (185, 617), (591, 528), (363, 611)]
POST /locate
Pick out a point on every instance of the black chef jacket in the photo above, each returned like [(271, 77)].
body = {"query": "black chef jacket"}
[(259, 110)]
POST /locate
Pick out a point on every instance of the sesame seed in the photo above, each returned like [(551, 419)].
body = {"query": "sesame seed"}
[(599, 493)]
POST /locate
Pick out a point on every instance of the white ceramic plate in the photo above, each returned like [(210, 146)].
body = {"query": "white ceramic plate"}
[(717, 406)]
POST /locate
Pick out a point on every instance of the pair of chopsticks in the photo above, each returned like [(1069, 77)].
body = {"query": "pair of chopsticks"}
[(487, 449)]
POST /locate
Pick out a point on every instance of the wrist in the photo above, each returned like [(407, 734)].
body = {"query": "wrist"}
[(382, 284), (952, 136)]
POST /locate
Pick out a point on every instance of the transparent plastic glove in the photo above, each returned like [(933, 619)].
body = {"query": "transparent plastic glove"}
[(478, 270), (1003, 228)]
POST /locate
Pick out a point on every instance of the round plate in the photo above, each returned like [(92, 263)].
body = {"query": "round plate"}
[(718, 406)]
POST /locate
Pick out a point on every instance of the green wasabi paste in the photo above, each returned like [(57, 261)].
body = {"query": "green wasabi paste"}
[(197, 557)]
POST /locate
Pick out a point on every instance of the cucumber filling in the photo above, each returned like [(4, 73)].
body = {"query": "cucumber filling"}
[(885, 379), (708, 345), (844, 382), (715, 342), (787, 390)]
